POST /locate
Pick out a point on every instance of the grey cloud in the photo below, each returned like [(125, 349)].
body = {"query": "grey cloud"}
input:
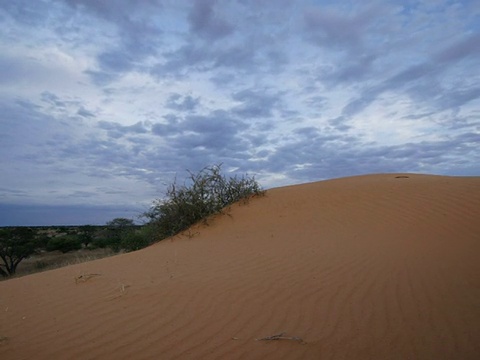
[(138, 34), (198, 140), (467, 47), (306, 131), (417, 80), (205, 23), (217, 124), (256, 104), (24, 125), (116, 130), (330, 28), (456, 98), (217, 130), (67, 107), (317, 101), (15, 70), (176, 62), (237, 56), (170, 128), (52, 99), (353, 69), (195, 57), (182, 103), (26, 12), (253, 48), (103, 77), (360, 103), (350, 40), (340, 123), (131, 19), (85, 113), (105, 158), (223, 79), (410, 74), (119, 60)]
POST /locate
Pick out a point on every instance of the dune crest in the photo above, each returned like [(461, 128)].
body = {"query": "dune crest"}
[(368, 267)]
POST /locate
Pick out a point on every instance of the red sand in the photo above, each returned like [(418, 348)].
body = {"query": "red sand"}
[(368, 267)]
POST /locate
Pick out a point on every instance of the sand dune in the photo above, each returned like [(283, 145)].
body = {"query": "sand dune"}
[(368, 267)]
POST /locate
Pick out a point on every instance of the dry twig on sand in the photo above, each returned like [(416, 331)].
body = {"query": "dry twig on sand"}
[(84, 277), (281, 336)]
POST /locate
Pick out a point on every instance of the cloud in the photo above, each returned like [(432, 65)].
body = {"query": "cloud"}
[(194, 57), (85, 113), (137, 35), (104, 104), (417, 80), (255, 104), (215, 134), (467, 47), (182, 103), (205, 23), (331, 28), (116, 130)]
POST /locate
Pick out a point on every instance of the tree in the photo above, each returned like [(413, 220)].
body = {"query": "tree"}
[(86, 234), (120, 223), (16, 244), (205, 193), (116, 230)]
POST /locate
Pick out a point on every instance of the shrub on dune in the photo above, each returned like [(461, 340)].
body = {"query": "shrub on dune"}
[(203, 194)]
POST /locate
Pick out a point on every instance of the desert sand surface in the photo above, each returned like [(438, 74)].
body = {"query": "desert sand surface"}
[(368, 267)]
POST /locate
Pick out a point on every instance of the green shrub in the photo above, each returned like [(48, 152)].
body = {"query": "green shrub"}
[(112, 242), (99, 242), (134, 241), (204, 194), (64, 243)]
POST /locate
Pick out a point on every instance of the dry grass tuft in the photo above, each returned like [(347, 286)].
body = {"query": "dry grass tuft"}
[(84, 277), (281, 336)]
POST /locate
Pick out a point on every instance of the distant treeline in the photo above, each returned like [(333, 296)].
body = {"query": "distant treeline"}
[(18, 243)]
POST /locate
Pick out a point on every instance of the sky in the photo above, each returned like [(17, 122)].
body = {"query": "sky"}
[(105, 103)]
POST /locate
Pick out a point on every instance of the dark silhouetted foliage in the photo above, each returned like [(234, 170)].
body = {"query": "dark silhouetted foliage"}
[(205, 193), (64, 243), (16, 244), (86, 234)]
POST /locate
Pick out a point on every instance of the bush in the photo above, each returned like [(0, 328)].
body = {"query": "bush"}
[(134, 241), (206, 193), (64, 243), (99, 243)]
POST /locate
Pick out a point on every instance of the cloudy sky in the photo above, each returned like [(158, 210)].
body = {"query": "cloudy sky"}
[(104, 102)]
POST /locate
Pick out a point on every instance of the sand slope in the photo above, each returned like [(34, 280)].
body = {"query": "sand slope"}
[(368, 267)]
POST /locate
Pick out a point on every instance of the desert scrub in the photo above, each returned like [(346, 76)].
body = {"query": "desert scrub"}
[(203, 194)]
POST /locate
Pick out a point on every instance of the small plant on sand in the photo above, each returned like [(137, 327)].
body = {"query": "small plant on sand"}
[(203, 194)]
